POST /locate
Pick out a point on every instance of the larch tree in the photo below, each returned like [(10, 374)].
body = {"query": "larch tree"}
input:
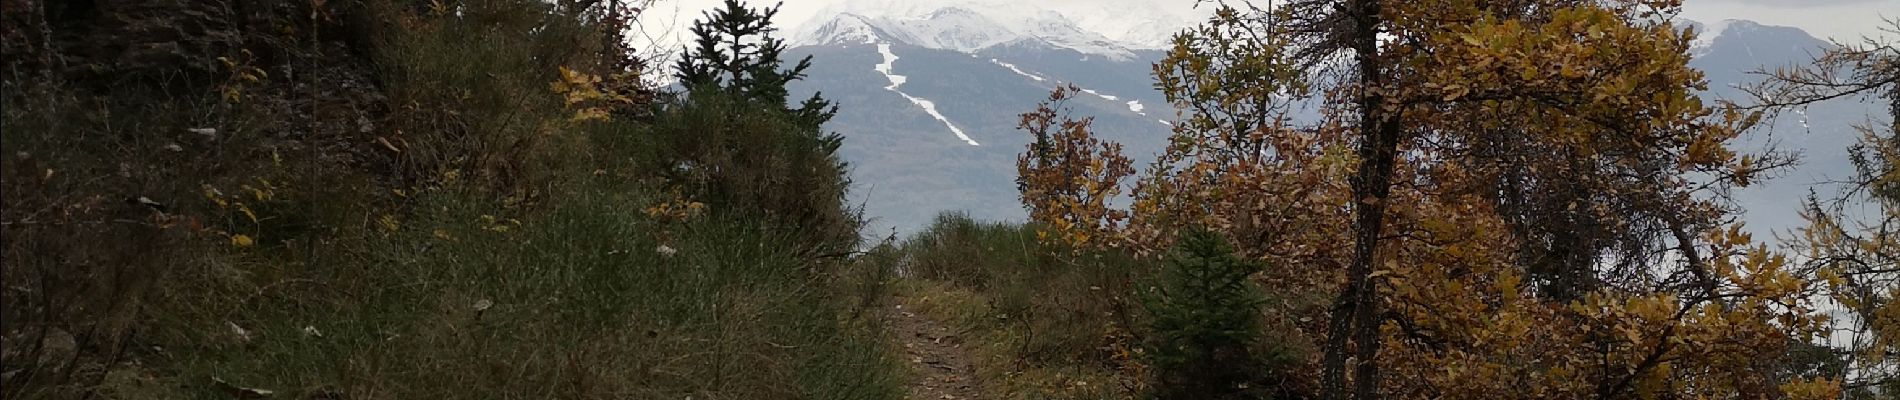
[(1853, 239)]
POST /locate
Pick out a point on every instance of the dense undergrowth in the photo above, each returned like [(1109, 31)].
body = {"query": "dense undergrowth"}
[(391, 200), (1044, 321), (1035, 327)]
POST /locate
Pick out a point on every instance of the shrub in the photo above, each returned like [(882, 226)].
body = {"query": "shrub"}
[(758, 163), (468, 89), (867, 278), (1204, 322), (971, 253)]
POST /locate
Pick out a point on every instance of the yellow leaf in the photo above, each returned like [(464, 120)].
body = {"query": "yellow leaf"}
[(241, 240), (1455, 91), (247, 212)]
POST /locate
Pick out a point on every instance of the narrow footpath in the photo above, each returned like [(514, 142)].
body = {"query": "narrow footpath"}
[(936, 355)]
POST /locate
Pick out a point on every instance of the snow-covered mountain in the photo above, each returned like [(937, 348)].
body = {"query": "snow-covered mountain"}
[(930, 91), (1098, 29), (1729, 51)]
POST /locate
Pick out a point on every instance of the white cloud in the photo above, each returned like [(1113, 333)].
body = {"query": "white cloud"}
[(1844, 20)]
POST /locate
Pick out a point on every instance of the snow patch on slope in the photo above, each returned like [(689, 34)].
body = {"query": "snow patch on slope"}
[(1098, 94), (890, 59), (1134, 106), (1706, 33), (1012, 68)]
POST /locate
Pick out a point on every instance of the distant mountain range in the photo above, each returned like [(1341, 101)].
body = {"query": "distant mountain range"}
[(930, 92)]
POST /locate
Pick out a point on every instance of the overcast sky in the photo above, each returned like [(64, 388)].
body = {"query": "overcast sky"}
[(1846, 20), (1838, 19)]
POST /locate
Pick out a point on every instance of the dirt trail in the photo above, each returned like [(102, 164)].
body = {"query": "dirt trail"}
[(936, 354)]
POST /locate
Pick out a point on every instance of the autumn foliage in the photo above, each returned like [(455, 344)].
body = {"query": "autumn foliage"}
[(1068, 177), (1516, 199), (1852, 240)]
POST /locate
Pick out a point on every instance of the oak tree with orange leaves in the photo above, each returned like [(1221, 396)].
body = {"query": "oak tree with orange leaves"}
[(1504, 199)]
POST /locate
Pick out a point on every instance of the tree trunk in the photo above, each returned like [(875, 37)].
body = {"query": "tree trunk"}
[(1355, 312)]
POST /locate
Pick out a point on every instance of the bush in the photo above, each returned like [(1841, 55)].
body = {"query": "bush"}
[(755, 162), (867, 278), (469, 90), (1204, 323), (971, 253)]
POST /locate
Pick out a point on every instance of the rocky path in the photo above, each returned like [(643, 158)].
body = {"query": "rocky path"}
[(936, 354)]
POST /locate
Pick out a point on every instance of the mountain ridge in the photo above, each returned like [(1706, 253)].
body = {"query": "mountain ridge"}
[(973, 27), (919, 160)]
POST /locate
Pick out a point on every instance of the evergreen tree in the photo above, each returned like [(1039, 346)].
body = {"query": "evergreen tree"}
[(733, 142), (1205, 320), (735, 51)]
